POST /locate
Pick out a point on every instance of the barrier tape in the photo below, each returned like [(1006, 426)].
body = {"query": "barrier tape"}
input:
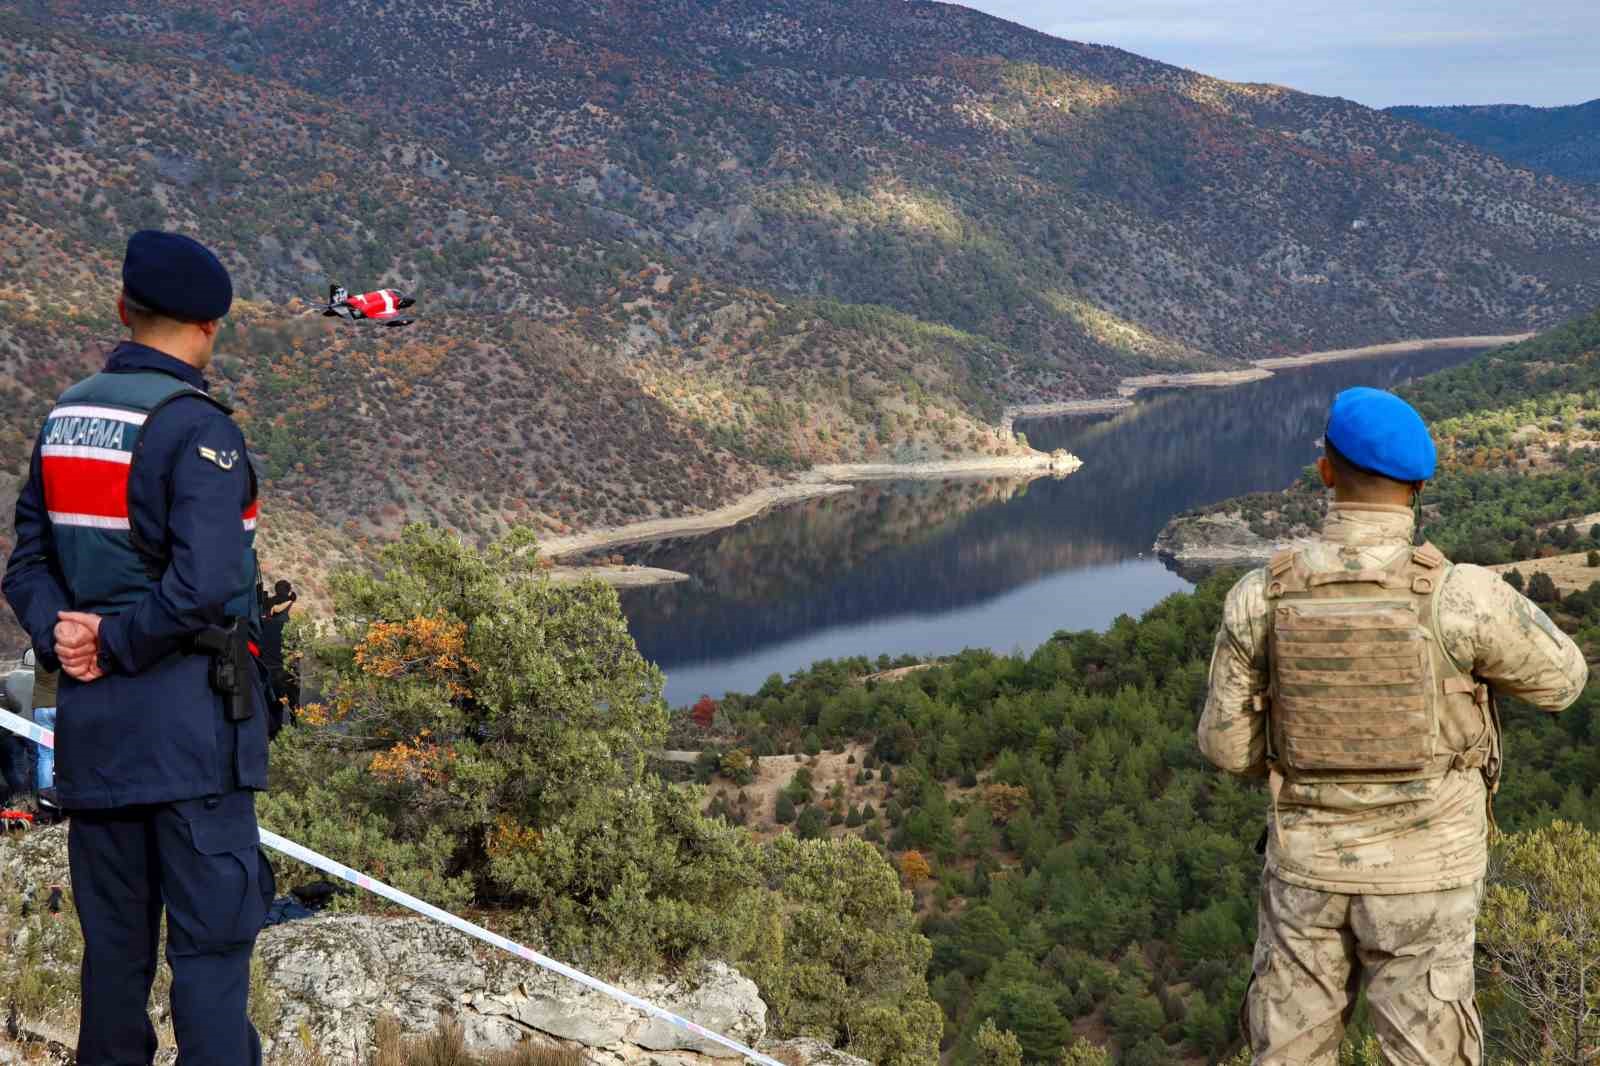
[(45, 738)]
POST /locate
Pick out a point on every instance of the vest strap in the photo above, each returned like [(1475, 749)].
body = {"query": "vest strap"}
[(1284, 574), (1387, 578), (1428, 557), (157, 558)]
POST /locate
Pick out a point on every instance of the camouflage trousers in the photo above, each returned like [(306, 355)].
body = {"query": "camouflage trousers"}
[(1412, 954)]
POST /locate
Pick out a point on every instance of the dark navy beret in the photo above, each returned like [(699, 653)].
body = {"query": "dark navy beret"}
[(176, 276), (1380, 432)]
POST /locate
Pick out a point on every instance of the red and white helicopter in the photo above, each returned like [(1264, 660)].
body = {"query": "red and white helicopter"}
[(383, 306)]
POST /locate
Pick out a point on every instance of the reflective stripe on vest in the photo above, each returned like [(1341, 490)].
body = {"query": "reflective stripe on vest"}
[(85, 456)]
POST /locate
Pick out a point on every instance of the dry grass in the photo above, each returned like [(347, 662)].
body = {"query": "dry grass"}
[(447, 1047), (39, 956), (1571, 572)]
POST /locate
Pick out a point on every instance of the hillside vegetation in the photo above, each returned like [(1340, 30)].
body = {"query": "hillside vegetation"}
[(1518, 432), (1079, 869), (1564, 141), (666, 252)]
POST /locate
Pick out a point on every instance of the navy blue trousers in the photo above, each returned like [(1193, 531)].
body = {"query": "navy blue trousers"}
[(201, 861)]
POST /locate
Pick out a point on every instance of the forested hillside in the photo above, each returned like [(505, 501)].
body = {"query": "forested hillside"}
[(1080, 870), (1564, 141), (1518, 431), (668, 251)]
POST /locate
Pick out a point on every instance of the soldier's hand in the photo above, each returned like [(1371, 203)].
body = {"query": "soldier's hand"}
[(78, 644)]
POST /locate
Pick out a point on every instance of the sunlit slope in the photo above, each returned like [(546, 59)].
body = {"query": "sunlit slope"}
[(943, 162), (667, 251)]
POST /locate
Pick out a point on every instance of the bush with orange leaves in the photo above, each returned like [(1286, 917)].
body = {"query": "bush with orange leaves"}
[(484, 737), (482, 741), (914, 868)]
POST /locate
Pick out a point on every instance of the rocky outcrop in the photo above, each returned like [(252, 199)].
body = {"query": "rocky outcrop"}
[(1197, 545), (335, 976), (329, 979)]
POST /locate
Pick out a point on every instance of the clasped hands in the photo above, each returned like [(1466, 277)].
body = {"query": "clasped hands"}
[(78, 645)]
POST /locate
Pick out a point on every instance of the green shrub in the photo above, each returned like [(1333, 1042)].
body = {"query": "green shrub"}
[(483, 741), (811, 824)]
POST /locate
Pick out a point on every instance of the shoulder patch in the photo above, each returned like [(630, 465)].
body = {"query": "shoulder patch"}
[(225, 458)]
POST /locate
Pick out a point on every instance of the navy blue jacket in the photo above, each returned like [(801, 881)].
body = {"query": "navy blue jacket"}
[(152, 730)]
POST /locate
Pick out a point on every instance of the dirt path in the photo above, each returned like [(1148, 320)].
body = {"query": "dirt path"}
[(1258, 370), (774, 772), (1335, 355)]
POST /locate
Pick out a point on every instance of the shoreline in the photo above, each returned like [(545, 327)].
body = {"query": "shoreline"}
[(625, 576), (1258, 370), (1335, 355), (829, 479), (832, 478)]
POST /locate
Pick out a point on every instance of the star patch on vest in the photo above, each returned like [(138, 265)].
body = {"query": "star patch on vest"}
[(223, 459)]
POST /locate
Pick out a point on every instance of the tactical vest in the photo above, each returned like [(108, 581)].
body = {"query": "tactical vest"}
[(1362, 690), (90, 444)]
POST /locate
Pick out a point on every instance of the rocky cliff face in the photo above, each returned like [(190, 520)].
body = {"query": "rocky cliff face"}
[(327, 980), (335, 976)]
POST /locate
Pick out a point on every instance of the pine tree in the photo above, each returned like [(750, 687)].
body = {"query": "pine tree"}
[(784, 814), (1540, 931), (811, 824), (994, 1046), (1542, 589), (1082, 1053)]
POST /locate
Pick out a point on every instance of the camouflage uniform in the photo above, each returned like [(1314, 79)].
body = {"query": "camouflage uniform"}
[(1376, 884)]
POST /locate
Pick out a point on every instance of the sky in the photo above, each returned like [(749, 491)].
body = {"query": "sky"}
[(1376, 52)]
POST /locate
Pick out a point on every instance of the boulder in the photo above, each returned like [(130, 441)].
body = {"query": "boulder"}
[(329, 979), (335, 976)]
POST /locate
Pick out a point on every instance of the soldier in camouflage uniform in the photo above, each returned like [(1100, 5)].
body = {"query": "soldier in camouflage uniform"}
[(1357, 676)]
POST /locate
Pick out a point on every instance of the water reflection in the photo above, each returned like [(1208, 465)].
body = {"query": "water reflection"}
[(933, 567)]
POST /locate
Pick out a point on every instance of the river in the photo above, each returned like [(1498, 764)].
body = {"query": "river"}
[(932, 567)]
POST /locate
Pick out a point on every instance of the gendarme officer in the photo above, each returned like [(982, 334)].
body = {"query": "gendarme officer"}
[(135, 569), (1357, 674)]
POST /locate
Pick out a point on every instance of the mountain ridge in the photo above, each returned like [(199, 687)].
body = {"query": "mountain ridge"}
[(669, 253), (1564, 141)]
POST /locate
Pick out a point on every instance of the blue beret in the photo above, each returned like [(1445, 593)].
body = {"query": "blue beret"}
[(1381, 433), (176, 276)]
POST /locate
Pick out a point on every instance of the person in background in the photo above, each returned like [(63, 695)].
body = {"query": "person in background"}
[(17, 755), (283, 686), (45, 683)]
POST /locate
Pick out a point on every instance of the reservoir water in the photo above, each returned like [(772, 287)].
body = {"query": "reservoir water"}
[(932, 567)]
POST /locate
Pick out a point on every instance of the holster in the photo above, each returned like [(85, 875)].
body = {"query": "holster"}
[(233, 668)]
